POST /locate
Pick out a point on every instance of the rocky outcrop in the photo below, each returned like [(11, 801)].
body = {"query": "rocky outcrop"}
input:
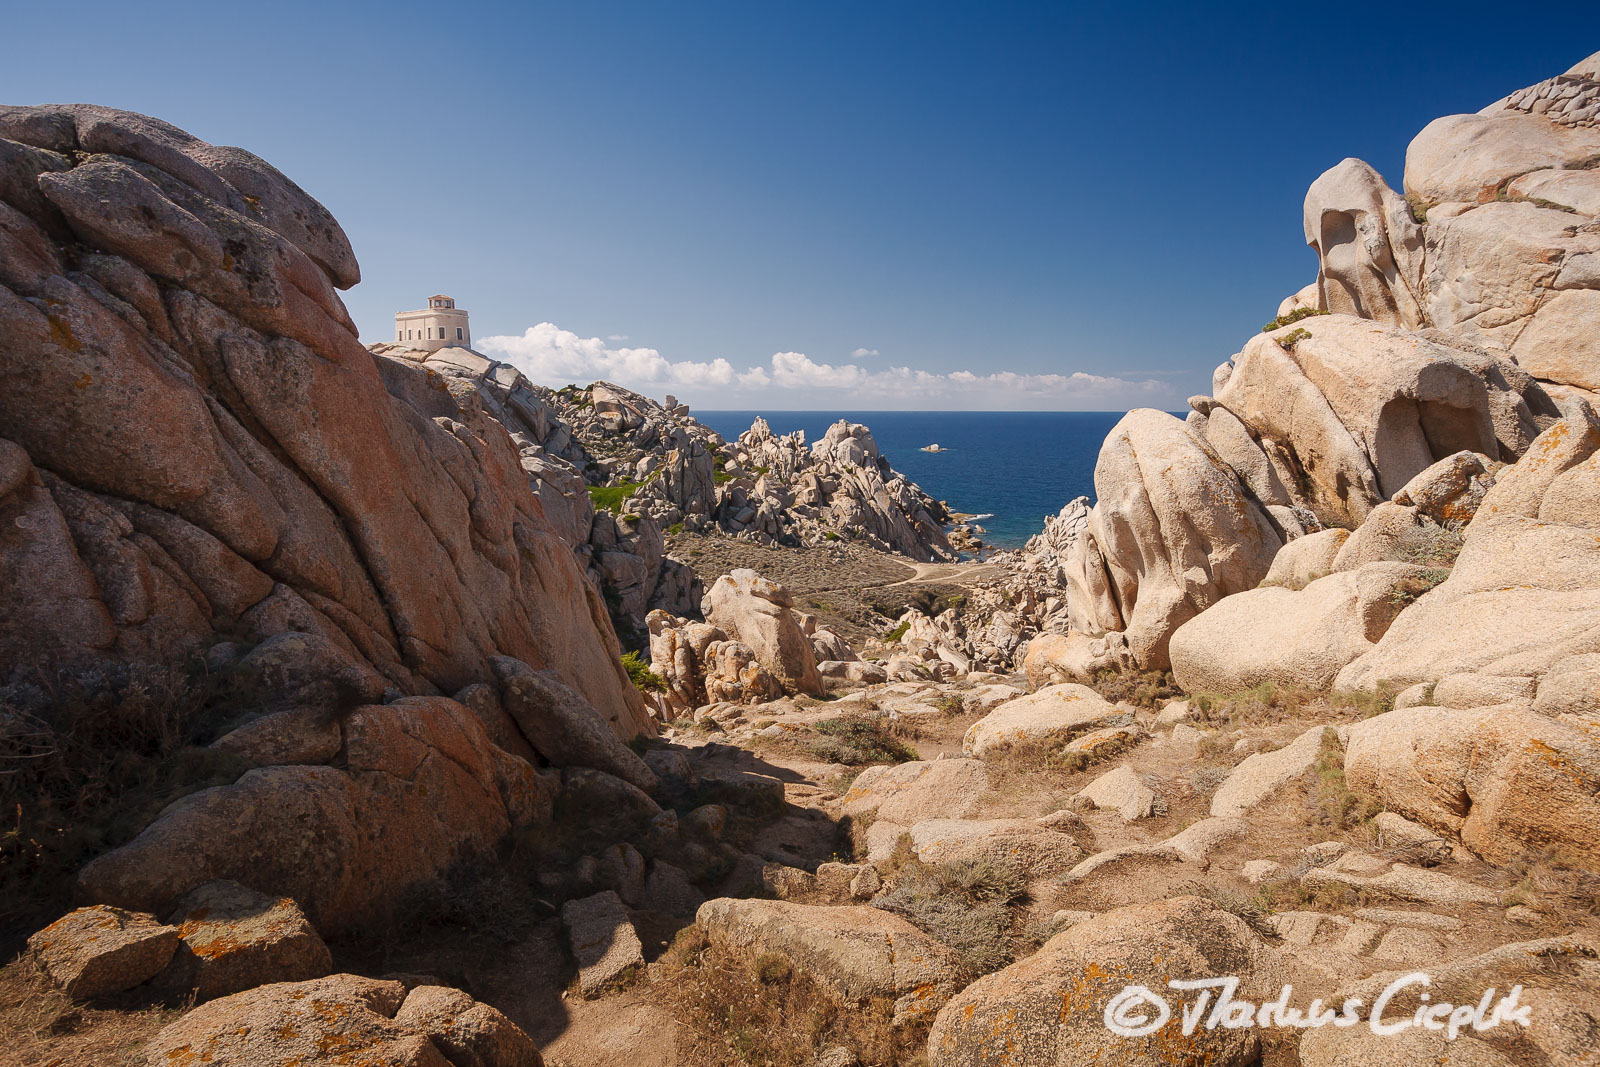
[(1456, 322), (198, 446), (1173, 532), (760, 614), (1523, 598), (346, 1019), (754, 647)]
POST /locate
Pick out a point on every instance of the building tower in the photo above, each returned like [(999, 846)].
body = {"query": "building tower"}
[(439, 325)]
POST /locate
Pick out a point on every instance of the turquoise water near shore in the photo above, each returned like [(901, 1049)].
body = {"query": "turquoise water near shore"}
[(1014, 467)]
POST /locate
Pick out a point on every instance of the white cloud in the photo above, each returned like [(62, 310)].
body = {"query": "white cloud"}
[(864, 353), (552, 356), (616, 337)]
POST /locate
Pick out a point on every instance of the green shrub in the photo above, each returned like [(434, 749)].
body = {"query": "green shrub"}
[(610, 497), (1290, 318), (1292, 338), (897, 633), (675, 529), (639, 673), (830, 535)]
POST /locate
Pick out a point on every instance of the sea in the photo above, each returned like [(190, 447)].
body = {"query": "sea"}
[(1009, 468)]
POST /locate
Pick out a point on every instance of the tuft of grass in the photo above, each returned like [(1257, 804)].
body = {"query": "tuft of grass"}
[(772, 968), (897, 633), (830, 535), (610, 497), (639, 673), (1431, 545), (858, 739), (1419, 208), (1332, 803), (1255, 909), (1290, 318), (675, 529)]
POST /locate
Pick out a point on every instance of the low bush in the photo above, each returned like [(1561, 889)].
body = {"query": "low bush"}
[(1332, 803), (1292, 338), (765, 1012), (857, 740), (966, 905), (1290, 318), (1142, 689)]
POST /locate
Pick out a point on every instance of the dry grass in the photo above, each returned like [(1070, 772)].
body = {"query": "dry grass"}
[(40, 1025), (1269, 704), (1142, 689), (971, 906), (766, 1012), (87, 760)]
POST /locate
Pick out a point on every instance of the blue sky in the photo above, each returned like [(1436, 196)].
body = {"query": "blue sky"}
[(850, 205)]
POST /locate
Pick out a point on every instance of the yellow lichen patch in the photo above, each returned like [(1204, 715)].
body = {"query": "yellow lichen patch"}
[(61, 334)]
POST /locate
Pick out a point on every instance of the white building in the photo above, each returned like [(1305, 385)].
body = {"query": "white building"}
[(439, 325)]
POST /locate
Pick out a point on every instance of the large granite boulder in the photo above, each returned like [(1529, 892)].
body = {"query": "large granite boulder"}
[(760, 615), (1290, 637), (344, 1019), (1506, 780), (233, 939), (1173, 532), (200, 446), (98, 950)]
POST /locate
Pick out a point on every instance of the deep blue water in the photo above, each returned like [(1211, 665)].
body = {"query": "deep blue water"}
[(1016, 466)]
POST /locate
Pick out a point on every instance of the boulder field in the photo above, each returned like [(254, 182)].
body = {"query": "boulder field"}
[(1308, 698)]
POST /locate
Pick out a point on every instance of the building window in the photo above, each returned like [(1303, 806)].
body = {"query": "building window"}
[(458, 333)]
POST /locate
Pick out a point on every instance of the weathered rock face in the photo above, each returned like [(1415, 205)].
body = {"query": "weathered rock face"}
[(1350, 413), (199, 446), (1369, 246), (421, 789), (1503, 778), (622, 553), (1049, 1009), (1173, 532), (1523, 598)]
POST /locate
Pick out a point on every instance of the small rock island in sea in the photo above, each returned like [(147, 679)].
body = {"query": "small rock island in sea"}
[(377, 704)]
